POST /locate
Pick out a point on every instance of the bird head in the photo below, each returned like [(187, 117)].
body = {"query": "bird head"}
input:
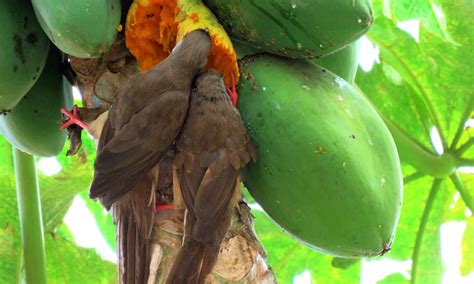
[(193, 50)]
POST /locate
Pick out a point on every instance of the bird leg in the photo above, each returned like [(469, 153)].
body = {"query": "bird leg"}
[(160, 207), (74, 118), (232, 92), (80, 118)]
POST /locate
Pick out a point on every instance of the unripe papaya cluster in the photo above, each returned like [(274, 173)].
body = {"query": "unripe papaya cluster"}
[(328, 171), (32, 87)]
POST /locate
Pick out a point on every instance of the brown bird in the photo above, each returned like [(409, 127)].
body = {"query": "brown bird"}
[(143, 123), (212, 148)]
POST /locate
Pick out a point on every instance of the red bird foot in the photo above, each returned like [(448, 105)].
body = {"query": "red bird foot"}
[(73, 118), (160, 207), (232, 92)]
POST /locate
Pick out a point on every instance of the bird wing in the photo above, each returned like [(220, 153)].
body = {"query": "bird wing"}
[(207, 191), (129, 153)]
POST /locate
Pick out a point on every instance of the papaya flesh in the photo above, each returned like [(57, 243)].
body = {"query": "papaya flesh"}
[(23, 51), (344, 63), (297, 29), (155, 26), (328, 171), (82, 28), (33, 125)]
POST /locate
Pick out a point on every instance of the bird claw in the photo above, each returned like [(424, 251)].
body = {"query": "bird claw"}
[(74, 118), (232, 92), (163, 207)]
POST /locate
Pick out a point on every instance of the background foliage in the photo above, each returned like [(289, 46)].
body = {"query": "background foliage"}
[(418, 84)]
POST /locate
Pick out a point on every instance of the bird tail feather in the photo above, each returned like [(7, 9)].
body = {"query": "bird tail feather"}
[(134, 252), (196, 261)]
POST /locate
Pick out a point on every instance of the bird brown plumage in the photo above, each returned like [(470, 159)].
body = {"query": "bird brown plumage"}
[(212, 148), (142, 124)]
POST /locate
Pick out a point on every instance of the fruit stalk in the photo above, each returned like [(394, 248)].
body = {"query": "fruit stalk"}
[(31, 223)]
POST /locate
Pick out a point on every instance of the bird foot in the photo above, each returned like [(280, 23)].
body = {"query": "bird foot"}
[(74, 118), (163, 207), (232, 92)]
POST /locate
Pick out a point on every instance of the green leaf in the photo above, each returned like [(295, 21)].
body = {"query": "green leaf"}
[(289, 258), (57, 192), (103, 219), (6, 158), (427, 265), (10, 241), (344, 263), (396, 278), (426, 11), (417, 86), (68, 263), (429, 73), (467, 262)]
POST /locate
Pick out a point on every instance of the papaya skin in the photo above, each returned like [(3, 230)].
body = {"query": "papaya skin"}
[(81, 28), (344, 63), (328, 171), (24, 49), (33, 125), (295, 29)]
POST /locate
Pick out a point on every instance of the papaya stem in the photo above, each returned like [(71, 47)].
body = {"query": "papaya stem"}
[(31, 224), (465, 194), (421, 229), (465, 162), (413, 177), (464, 118), (465, 147), (418, 156)]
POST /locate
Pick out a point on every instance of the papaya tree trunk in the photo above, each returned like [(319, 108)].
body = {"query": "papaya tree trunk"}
[(31, 222), (241, 257)]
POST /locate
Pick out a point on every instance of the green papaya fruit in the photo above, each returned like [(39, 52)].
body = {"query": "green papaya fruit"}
[(33, 125), (23, 51), (344, 63), (328, 170), (297, 29), (82, 28)]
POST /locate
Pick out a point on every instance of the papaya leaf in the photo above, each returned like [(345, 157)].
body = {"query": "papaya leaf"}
[(433, 93), (467, 262), (57, 192), (289, 258), (417, 86), (103, 219), (10, 241), (344, 263), (412, 209), (427, 12), (68, 263), (427, 264), (396, 278), (6, 158)]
